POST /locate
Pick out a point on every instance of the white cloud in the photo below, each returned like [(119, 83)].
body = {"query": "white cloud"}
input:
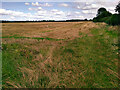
[(46, 5), (89, 11), (64, 5), (111, 9), (77, 12), (30, 9), (42, 5), (39, 8), (35, 4), (85, 11), (87, 3), (79, 17), (35, 9), (27, 3), (54, 10), (74, 15), (78, 7), (12, 17), (2, 12), (14, 14), (41, 13), (92, 6), (57, 12), (10, 12)]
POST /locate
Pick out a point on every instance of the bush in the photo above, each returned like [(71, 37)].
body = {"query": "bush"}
[(113, 20)]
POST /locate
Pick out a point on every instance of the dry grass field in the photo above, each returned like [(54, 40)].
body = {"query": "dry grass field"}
[(59, 55)]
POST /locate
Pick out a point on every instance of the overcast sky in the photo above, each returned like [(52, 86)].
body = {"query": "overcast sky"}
[(53, 10)]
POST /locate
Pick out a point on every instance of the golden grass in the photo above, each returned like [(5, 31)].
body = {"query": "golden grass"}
[(44, 64)]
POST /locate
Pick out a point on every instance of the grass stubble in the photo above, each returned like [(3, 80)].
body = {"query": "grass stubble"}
[(69, 55)]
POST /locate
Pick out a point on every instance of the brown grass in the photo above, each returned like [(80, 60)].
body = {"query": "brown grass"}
[(58, 30), (43, 61)]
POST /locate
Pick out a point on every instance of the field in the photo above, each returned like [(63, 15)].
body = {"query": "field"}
[(59, 55)]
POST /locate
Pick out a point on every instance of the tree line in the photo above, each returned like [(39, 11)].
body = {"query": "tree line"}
[(105, 16), (72, 20)]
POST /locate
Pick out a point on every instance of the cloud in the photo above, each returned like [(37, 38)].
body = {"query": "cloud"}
[(12, 17), (46, 5), (14, 14), (35, 4), (44, 11), (77, 17), (27, 3), (39, 8), (64, 5), (42, 5), (78, 7), (77, 12), (10, 12), (74, 15), (41, 13), (89, 11), (92, 6), (30, 9), (54, 10), (35, 9), (57, 12)]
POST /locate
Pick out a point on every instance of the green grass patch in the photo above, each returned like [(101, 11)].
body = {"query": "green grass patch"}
[(13, 57), (38, 38), (91, 61)]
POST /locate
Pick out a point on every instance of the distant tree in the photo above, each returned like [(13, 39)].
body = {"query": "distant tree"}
[(105, 14), (118, 8), (101, 10), (85, 20), (102, 15)]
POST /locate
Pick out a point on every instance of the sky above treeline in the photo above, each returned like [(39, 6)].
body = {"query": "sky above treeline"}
[(52, 10)]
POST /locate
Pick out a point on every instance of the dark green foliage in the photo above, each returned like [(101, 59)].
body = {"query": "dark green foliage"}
[(113, 20), (101, 10), (101, 17), (107, 17), (118, 8), (105, 14)]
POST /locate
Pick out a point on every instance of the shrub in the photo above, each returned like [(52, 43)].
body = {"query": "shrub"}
[(113, 20)]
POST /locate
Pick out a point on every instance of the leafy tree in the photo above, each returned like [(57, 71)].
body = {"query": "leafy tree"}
[(101, 10), (105, 16), (113, 20), (118, 8), (102, 15)]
